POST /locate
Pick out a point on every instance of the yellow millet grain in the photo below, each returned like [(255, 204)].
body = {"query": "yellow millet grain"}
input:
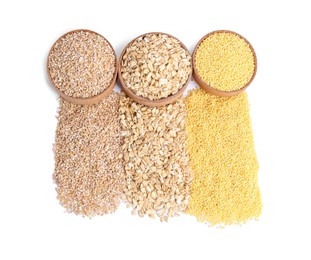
[(223, 159), (225, 61)]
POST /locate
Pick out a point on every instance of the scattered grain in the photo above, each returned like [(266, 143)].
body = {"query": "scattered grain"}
[(81, 64), (223, 159), (89, 173), (225, 61), (155, 66), (156, 162)]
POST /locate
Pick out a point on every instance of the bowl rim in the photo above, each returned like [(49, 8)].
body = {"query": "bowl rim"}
[(207, 87), (92, 99), (146, 101)]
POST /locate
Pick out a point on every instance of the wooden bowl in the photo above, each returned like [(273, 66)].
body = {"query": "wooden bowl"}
[(210, 89), (93, 99), (143, 100)]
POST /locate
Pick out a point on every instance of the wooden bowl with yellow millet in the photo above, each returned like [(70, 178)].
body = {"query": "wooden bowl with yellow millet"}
[(224, 63)]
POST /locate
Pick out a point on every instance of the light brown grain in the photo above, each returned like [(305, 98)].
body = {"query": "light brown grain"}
[(155, 66), (89, 173), (156, 162), (81, 64)]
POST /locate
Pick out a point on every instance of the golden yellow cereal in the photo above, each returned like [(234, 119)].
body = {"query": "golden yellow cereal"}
[(225, 61), (223, 159)]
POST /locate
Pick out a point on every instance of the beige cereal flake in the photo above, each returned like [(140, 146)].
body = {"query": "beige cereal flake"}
[(155, 66), (156, 163)]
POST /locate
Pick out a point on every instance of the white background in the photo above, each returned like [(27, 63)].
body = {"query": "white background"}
[(32, 223)]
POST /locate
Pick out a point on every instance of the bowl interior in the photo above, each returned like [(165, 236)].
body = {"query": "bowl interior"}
[(143, 100), (207, 87), (88, 100)]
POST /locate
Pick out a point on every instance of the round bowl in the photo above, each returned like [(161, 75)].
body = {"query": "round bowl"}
[(210, 89), (143, 100), (89, 100)]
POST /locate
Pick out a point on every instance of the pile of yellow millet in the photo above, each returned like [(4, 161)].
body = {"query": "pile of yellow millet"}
[(225, 61), (223, 159)]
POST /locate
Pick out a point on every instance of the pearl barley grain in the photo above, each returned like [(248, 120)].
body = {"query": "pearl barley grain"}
[(89, 173), (81, 64)]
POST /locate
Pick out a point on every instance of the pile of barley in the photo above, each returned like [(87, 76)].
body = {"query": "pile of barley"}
[(155, 66), (89, 172), (156, 163)]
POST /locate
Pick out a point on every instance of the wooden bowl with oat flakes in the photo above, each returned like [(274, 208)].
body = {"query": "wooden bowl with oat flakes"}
[(154, 69), (224, 63), (82, 67)]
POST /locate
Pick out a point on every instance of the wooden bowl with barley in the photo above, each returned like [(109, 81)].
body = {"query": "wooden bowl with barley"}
[(82, 67)]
